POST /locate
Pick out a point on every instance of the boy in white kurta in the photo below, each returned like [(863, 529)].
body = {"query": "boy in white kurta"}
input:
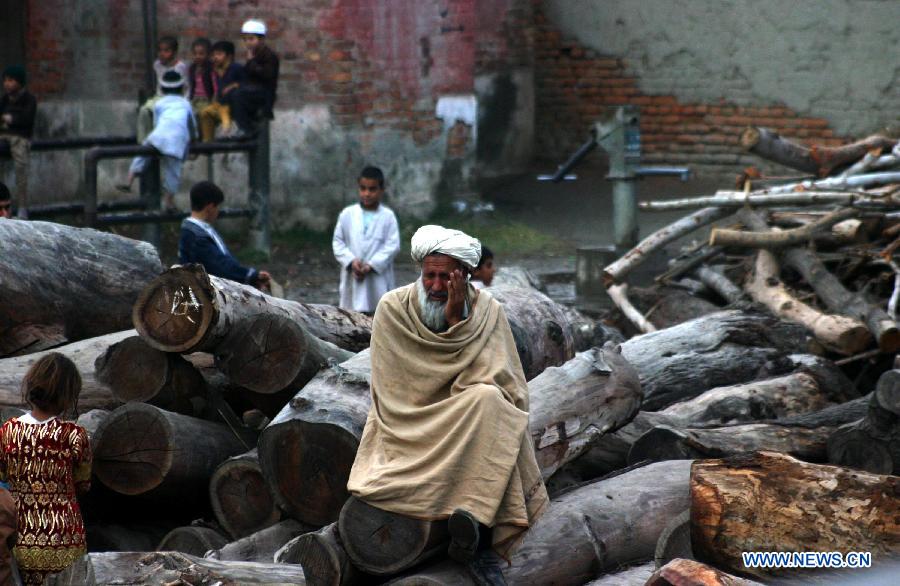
[(366, 240)]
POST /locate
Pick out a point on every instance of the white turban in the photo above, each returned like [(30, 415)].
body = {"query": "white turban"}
[(439, 240)]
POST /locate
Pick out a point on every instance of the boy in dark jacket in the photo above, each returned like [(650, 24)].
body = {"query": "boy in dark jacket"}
[(17, 112), (258, 92), (201, 243), (228, 77)]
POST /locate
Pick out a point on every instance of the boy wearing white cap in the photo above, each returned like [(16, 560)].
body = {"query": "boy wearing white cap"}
[(173, 128), (257, 93)]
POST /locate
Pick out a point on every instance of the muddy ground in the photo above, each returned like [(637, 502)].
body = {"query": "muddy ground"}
[(536, 225)]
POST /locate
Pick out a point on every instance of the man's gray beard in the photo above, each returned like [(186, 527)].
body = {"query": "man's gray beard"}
[(430, 311)]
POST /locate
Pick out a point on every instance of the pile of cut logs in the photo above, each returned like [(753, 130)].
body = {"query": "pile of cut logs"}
[(224, 425)]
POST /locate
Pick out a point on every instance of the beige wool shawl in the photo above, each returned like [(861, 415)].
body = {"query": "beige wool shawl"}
[(448, 426)]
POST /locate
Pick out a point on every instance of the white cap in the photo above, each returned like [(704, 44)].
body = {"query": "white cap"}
[(254, 27)]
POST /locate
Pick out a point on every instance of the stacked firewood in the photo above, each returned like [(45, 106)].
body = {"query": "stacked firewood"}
[(224, 426)]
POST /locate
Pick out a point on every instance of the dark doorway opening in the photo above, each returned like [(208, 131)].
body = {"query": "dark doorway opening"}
[(12, 33)]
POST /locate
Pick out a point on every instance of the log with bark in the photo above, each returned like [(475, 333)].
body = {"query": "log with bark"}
[(268, 353), (722, 348), (839, 333), (808, 196), (322, 555), (818, 159), (262, 545), (143, 450), (91, 420), (187, 310), (540, 327), (873, 443), (832, 292), (72, 283), (135, 371), (94, 394), (780, 239), (803, 436), (772, 502), (780, 397), (617, 271), (193, 540), (682, 572), (307, 451), (240, 498), (168, 568), (592, 529), (635, 575)]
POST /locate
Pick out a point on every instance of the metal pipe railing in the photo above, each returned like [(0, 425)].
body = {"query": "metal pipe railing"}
[(73, 143), (149, 217)]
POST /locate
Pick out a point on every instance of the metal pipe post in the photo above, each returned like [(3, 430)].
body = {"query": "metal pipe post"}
[(91, 158), (151, 194), (625, 208), (258, 200)]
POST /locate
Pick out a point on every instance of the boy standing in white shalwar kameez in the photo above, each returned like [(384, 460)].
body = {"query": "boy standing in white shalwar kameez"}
[(366, 240)]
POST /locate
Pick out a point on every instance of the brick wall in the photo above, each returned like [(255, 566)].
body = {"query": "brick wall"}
[(360, 79), (574, 85)]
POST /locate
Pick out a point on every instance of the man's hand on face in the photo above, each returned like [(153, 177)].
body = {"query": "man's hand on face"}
[(456, 298)]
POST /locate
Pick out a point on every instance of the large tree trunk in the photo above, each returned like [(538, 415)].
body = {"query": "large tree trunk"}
[(168, 568), (804, 437), (307, 451), (262, 545), (240, 499), (818, 159), (142, 450), (322, 555), (723, 348), (781, 397), (94, 394), (873, 443), (772, 502), (192, 540), (592, 529), (268, 353), (135, 371), (187, 310), (79, 282), (540, 327)]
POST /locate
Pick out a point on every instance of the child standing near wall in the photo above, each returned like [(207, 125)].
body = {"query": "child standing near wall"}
[(171, 136), (200, 75), (166, 60), (228, 77), (46, 462), (18, 109)]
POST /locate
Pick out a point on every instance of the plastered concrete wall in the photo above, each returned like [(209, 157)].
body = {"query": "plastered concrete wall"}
[(822, 71), (835, 59), (362, 82)]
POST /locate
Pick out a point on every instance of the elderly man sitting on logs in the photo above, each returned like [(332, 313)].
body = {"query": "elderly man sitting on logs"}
[(447, 434)]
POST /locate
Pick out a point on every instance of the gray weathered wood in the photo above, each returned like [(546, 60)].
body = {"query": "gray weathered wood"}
[(167, 568), (723, 348), (81, 281), (141, 449), (240, 498), (593, 529), (262, 545), (94, 394), (187, 310), (192, 540), (322, 556), (873, 442)]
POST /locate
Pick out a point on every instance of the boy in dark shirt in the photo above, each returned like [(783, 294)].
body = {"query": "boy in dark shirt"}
[(258, 92), (201, 243), (228, 77), (17, 112)]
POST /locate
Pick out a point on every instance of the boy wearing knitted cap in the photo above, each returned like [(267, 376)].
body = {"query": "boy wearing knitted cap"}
[(17, 112)]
